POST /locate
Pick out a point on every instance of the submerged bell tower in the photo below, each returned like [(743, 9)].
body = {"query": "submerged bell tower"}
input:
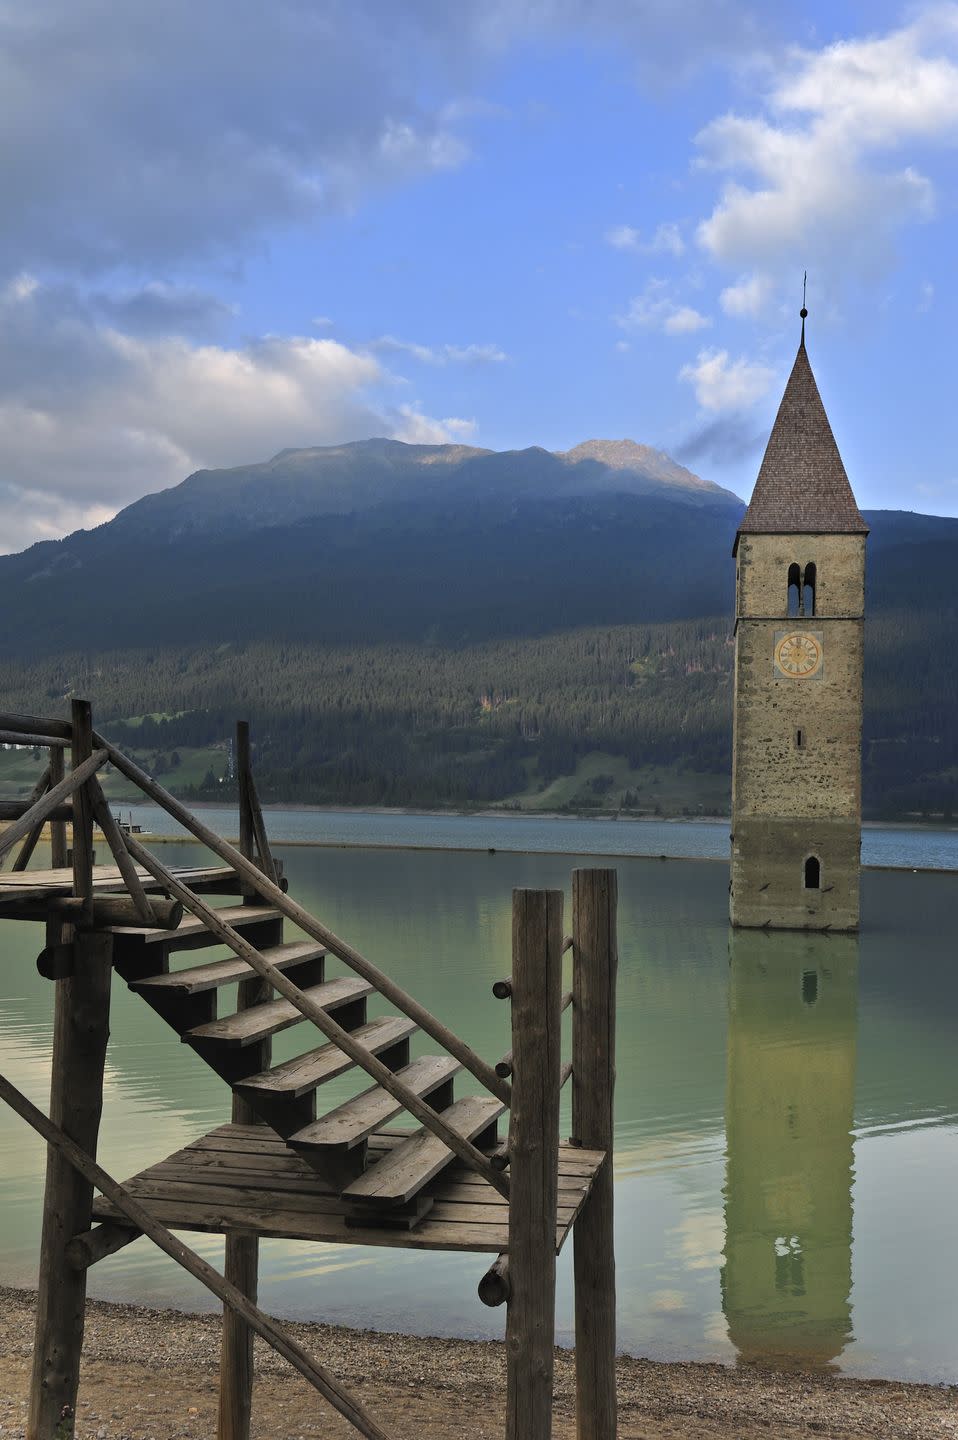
[(799, 622)]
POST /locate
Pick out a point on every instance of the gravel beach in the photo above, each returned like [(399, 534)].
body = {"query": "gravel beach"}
[(150, 1375)]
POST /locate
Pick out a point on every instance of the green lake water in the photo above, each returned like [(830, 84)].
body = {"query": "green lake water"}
[(787, 1113)]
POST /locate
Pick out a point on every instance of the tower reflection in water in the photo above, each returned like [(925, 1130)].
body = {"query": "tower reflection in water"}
[(786, 1278)]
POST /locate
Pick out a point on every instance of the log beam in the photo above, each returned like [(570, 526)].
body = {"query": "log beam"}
[(48, 805), (533, 1161), (81, 1029), (594, 966)]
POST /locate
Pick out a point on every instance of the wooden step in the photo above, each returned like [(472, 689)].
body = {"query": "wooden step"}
[(353, 1121), (305, 1072), (225, 972), (248, 1026), (413, 1163), (192, 931)]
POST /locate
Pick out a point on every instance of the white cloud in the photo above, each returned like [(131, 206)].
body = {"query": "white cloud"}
[(442, 354), (724, 384), (820, 177), (624, 237), (654, 309), (92, 418), (749, 296), (666, 240), (927, 299), (418, 429), (322, 322)]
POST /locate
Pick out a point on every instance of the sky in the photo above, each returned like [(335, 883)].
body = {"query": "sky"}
[(234, 227)]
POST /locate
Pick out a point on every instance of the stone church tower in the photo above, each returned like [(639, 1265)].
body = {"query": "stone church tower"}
[(799, 603)]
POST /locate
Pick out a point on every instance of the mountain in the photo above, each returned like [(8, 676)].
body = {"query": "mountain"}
[(436, 624), (371, 475), (382, 540)]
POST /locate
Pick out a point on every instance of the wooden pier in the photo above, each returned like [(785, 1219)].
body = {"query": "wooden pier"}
[(282, 1167)]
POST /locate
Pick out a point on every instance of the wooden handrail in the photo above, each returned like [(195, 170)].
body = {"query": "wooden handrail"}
[(32, 742), (16, 809), (36, 725), (52, 800), (344, 1039), (325, 1382), (314, 928)]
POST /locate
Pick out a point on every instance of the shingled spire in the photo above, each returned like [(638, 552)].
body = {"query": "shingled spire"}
[(802, 488)]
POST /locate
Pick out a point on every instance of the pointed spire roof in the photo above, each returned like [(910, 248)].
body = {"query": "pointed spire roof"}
[(802, 487)]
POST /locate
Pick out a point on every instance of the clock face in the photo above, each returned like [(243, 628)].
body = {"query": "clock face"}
[(799, 654)]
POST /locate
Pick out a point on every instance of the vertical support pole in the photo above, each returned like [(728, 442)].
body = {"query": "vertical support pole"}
[(595, 962), (533, 1161), (241, 1265), (82, 808), (58, 828), (80, 1034), (244, 772)]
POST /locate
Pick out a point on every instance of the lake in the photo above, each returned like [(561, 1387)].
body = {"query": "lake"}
[(911, 846), (787, 1106)]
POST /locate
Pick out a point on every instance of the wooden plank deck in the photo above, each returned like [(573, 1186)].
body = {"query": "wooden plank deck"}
[(34, 887), (237, 1179)]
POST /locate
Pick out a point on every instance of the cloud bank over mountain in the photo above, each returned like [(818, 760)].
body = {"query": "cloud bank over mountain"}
[(233, 229)]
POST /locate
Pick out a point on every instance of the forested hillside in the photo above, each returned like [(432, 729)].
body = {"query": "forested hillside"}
[(573, 650)]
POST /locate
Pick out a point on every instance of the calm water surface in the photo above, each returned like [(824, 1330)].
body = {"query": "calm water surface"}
[(787, 1107), (935, 847)]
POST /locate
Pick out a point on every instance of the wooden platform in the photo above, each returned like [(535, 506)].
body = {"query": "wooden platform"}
[(238, 1178), (35, 887)]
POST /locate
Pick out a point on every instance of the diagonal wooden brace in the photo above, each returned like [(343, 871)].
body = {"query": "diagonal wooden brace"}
[(52, 800), (317, 1374)]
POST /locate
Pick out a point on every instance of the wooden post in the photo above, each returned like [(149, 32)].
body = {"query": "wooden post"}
[(533, 1156), (82, 749), (80, 1033), (243, 774), (241, 1259), (595, 961), (58, 830)]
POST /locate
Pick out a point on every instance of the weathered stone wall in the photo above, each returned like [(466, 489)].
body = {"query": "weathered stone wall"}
[(791, 800), (773, 775), (762, 565), (768, 880)]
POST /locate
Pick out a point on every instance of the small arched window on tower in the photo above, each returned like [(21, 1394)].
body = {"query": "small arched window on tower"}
[(808, 591), (813, 873), (794, 591)]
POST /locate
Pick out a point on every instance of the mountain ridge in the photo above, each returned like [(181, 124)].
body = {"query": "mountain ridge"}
[(363, 475), (459, 645)]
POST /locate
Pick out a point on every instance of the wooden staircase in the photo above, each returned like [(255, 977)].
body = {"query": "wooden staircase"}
[(236, 1044), (335, 1175)]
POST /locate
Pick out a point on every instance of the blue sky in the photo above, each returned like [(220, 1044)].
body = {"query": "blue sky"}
[(235, 227)]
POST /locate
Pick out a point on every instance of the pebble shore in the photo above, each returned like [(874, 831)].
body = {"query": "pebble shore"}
[(151, 1375)]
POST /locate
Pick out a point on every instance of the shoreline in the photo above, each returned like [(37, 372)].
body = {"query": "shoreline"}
[(295, 807), (185, 839), (435, 1389)]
